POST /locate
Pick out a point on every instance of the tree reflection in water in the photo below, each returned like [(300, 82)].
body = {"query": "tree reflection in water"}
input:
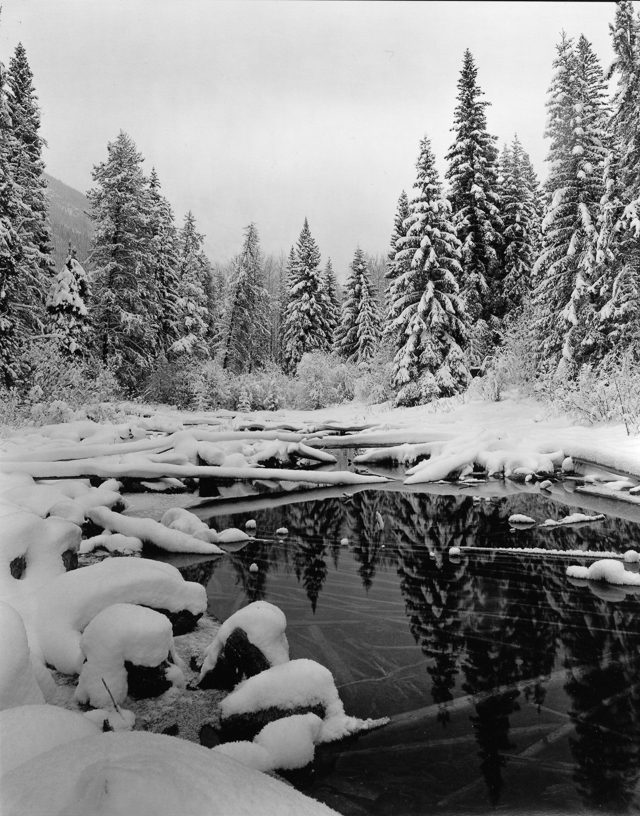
[(490, 626)]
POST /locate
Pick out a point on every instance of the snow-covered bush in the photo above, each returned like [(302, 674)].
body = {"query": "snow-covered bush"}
[(55, 385), (374, 385), (322, 380)]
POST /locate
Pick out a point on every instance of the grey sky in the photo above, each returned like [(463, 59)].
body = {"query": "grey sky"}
[(270, 111)]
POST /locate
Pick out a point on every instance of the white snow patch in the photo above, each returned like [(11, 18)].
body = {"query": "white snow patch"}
[(613, 572)]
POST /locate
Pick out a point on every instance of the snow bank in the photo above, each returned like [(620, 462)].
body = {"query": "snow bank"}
[(264, 625), (118, 633), (153, 532), (31, 730), (146, 775), (18, 682), (574, 518), (518, 518), (113, 543), (613, 572), (290, 685), (281, 745), (68, 603)]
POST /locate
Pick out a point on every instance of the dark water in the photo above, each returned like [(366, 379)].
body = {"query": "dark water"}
[(509, 687)]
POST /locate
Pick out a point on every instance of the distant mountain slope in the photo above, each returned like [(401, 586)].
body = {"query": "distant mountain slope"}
[(68, 221)]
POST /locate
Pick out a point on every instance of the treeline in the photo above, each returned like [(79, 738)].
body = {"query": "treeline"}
[(489, 255)]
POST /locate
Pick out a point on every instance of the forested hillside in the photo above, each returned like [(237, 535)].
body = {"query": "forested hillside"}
[(68, 220)]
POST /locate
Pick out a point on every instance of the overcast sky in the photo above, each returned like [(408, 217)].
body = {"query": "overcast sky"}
[(270, 111)]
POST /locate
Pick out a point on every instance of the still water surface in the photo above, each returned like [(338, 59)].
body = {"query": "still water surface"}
[(509, 687)]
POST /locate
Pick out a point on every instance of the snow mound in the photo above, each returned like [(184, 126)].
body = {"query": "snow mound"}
[(613, 572), (31, 730), (281, 745), (68, 603), (113, 543), (146, 775), (121, 632), (632, 557), (519, 518), (18, 682), (264, 625), (297, 683), (574, 518)]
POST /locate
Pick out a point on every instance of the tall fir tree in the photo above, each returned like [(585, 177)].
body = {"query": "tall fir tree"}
[(122, 303), (566, 268), (305, 327), (163, 263), (619, 238), (331, 290), (246, 341), (429, 323), (35, 267), (520, 220), (192, 300), (472, 176), (10, 248), (66, 306), (394, 270), (358, 332)]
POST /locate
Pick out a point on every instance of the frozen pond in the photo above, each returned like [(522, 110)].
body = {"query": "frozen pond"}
[(508, 686)]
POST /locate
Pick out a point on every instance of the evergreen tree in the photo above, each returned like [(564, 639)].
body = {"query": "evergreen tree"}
[(394, 270), (36, 266), (331, 290), (472, 176), (429, 323), (246, 343), (163, 266), (619, 239), (306, 327), (192, 299), (566, 267), (66, 305), (122, 305), (520, 226), (10, 248), (358, 333)]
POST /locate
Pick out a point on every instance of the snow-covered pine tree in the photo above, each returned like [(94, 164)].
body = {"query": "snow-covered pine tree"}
[(35, 267), (163, 264), (619, 239), (393, 268), (429, 322), (358, 332), (246, 340), (66, 306), (472, 176), (518, 209), (10, 247), (305, 327), (331, 290), (566, 268), (122, 304), (191, 327)]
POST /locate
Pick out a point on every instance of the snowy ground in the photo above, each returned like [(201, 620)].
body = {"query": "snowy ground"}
[(91, 621)]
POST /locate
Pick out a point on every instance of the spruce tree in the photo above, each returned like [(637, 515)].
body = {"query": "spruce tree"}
[(162, 264), (331, 290), (35, 267), (66, 306), (472, 175), (246, 343), (192, 301), (429, 322), (619, 238), (122, 304), (567, 265), (358, 332), (518, 209), (394, 270), (305, 328), (10, 248)]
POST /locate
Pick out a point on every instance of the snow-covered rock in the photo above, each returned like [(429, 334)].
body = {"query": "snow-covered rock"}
[(123, 632), (18, 682), (613, 572)]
